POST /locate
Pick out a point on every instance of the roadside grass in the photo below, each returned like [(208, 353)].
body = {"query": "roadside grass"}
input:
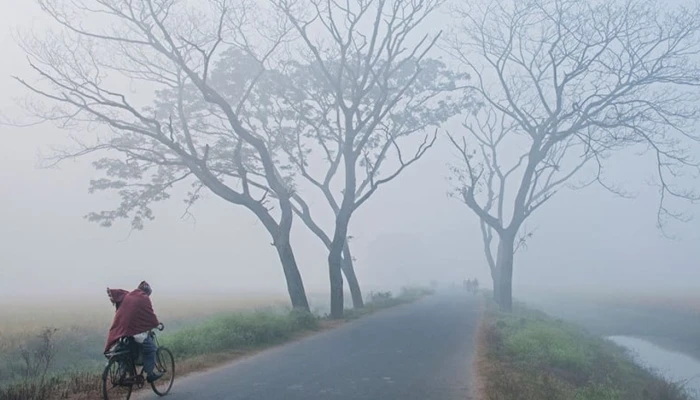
[(239, 331), (528, 355), (211, 342), (667, 321)]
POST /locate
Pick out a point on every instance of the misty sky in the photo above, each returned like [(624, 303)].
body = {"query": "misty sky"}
[(410, 232)]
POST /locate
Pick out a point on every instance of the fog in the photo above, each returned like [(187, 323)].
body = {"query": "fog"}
[(410, 232)]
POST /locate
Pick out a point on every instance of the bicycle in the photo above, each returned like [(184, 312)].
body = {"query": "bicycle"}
[(122, 371)]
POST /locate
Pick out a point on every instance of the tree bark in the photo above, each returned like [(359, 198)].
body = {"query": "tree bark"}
[(335, 262), (336, 280), (295, 284), (347, 266), (349, 272), (504, 272), (495, 280)]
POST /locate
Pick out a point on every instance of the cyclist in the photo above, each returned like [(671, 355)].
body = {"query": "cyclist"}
[(134, 317)]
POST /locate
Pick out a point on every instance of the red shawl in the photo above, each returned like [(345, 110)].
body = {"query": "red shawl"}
[(116, 296), (134, 315)]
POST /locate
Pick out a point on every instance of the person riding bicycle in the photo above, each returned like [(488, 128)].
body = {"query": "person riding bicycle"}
[(134, 317)]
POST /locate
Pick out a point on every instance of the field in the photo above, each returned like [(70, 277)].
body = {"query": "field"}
[(81, 328), (58, 354), (529, 355)]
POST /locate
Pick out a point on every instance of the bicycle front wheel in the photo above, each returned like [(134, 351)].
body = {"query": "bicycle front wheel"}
[(165, 364), (117, 380)]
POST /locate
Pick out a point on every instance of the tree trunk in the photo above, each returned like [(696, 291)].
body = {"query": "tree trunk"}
[(353, 284), (347, 266), (295, 285), (335, 262), (504, 272), (495, 280)]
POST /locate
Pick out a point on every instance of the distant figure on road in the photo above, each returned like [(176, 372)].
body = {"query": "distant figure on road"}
[(135, 317), (471, 285)]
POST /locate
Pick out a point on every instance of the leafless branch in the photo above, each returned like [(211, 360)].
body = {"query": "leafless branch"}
[(572, 84), (181, 135)]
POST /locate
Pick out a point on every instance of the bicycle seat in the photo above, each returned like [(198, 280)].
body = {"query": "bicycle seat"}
[(125, 344)]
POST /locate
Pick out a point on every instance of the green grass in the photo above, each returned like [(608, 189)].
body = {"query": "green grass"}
[(527, 355), (239, 331), (673, 324)]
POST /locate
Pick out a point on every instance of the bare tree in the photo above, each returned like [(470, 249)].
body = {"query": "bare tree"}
[(271, 110), (360, 89), (316, 140), (564, 84), (177, 126)]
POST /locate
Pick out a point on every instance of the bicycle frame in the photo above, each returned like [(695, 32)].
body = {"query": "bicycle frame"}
[(128, 357)]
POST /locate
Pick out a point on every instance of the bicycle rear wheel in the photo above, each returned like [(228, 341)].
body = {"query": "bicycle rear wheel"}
[(117, 380), (165, 364)]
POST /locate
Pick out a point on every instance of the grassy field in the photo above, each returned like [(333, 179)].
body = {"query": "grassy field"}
[(528, 355), (197, 341), (81, 328), (671, 321)]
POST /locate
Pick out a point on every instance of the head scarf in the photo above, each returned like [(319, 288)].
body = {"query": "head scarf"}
[(145, 287)]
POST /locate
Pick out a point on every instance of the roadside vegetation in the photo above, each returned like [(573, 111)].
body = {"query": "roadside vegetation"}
[(673, 324), (671, 321), (30, 370), (528, 355)]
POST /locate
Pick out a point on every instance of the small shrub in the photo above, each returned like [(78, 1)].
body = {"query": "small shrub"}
[(416, 292), (35, 358), (379, 296), (304, 320), (38, 355)]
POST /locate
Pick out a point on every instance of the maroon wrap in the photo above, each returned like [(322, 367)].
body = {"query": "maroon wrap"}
[(134, 314), (116, 296)]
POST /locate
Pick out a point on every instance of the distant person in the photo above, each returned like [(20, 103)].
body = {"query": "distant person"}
[(468, 284), (135, 317)]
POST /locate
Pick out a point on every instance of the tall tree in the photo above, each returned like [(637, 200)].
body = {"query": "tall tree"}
[(315, 144), (564, 85), (269, 110), (166, 50), (361, 88)]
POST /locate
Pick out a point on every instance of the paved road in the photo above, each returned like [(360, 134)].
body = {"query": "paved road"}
[(420, 351)]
